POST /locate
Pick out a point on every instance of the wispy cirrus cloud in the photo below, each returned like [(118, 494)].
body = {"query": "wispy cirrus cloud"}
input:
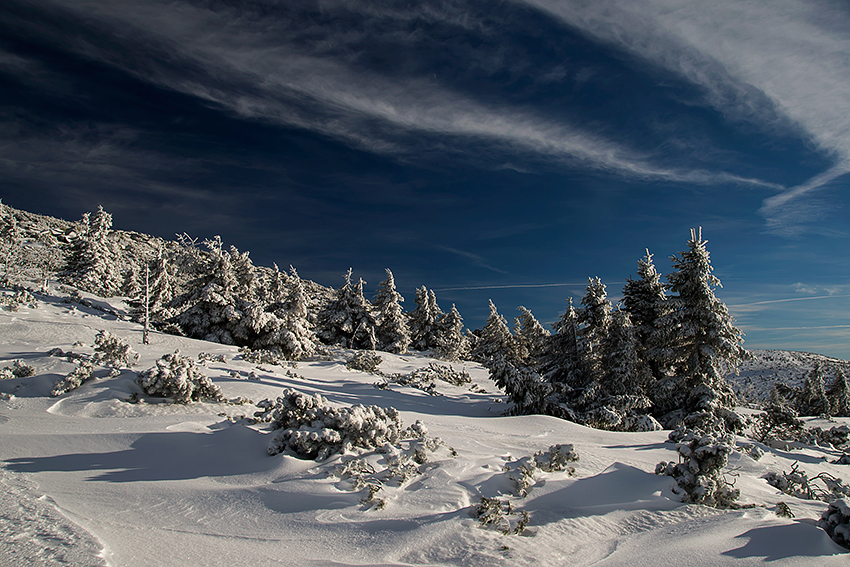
[(783, 67), (309, 77)]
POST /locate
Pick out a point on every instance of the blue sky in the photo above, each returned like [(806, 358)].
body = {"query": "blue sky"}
[(504, 150)]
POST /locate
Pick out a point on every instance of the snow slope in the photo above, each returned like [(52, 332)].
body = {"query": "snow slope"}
[(91, 479)]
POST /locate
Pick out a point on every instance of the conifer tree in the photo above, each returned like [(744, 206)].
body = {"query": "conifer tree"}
[(561, 362), (530, 336), (839, 395), (813, 400), (495, 339), (452, 343), (645, 301), (697, 338), (424, 328), (93, 263), (347, 319), (594, 317), (393, 333)]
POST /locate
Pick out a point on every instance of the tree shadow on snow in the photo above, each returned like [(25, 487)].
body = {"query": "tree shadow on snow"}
[(175, 455), (778, 542)]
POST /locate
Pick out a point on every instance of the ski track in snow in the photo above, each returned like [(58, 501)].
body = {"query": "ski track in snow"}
[(33, 531)]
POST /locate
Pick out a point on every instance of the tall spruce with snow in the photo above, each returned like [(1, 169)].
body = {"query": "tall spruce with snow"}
[(646, 302), (561, 362), (839, 395), (11, 242), (393, 333), (295, 337), (697, 339), (155, 288), (618, 395), (452, 344), (92, 264), (424, 327), (347, 319), (813, 399), (530, 336), (220, 305), (495, 339), (594, 318)]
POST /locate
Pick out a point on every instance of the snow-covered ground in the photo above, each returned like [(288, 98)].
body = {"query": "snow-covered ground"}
[(89, 478)]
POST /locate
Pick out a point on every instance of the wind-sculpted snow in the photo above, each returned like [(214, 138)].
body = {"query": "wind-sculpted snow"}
[(107, 474)]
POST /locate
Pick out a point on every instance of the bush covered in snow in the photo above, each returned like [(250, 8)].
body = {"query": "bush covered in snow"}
[(364, 361), (495, 513), (110, 350), (797, 483), (556, 459), (698, 474), (836, 522), (82, 373), (315, 430), (13, 300), (176, 376), (19, 369)]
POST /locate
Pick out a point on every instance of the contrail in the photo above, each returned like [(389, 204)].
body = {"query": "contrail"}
[(515, 286), (786, 300)]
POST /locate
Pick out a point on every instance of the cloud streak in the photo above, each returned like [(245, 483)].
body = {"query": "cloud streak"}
[(308, 78), (782, 67)]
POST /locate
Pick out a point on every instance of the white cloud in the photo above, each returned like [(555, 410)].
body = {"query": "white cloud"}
[(792, 53), (249, 67)]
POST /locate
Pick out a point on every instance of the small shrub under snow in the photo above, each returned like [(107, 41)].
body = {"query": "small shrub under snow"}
[(110, 350), (315, 430), (797, 483), (19, 369), (698, 474), (496, 514), (836, 522), (177, 377), (81, 374), (364, 361), (556, 459)]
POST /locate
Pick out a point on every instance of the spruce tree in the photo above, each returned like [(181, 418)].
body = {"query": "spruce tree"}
[(645, 301), (393, 333), (424, 328), (594, 317), (530, 336), (839, 395), (347, 319), (495, 339), (697, 338), (93, 262), (561, 362), (452, 343), (813, 400)]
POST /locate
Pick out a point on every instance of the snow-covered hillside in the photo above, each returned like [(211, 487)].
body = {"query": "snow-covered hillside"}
[(762, 368), (92, 478)]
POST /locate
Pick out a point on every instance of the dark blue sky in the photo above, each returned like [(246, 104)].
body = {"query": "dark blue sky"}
[(503, 150)]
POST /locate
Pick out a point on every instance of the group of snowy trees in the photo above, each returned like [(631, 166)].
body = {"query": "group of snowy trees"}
[(660, 355), (814, 398), (218, 295)]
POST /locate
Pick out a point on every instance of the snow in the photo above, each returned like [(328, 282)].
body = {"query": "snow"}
[(88, 478)]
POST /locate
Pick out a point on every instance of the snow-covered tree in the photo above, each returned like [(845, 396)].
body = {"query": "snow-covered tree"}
[(645, 301), (698, 338), (299, 340), (176, 376), (221, 305), (530, 336), (495, 339), (525, 388), (813, 399), (839, 395), (424, 320), (452, 343), (347, 320), (594, 318), (561, 362), (93, 262), (393, 333)]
